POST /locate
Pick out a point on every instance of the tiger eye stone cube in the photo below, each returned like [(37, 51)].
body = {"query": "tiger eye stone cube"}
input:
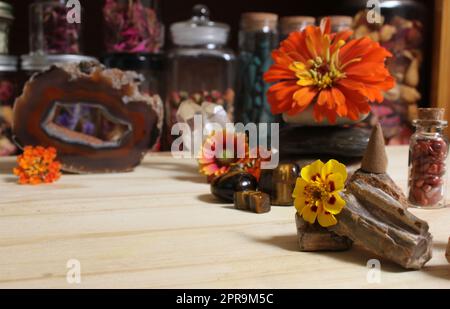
[(279, 183), (254, 201)]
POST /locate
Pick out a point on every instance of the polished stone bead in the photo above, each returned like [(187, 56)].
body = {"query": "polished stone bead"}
[(225, 186), (254, 201), (279, 183)]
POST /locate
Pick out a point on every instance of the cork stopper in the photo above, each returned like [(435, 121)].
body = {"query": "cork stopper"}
[(431, 113), (431, 117), (375, 159), (295, 23), (259, 21)]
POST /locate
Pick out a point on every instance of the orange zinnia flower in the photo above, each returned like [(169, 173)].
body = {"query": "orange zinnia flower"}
[(339, 76), (37, 165)]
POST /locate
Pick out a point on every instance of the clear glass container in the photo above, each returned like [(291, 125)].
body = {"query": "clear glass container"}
[(200, 66), (405, 29), (258, 36), (50, 32), (290, 24), (133, 26), (8, 93), (427, 160), (6, 18)]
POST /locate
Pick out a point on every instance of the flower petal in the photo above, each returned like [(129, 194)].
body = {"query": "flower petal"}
[(300, 203), (313, 171), (309, 213), (326, 219), (335, 183), (300, 186), (334, 204), (334, 167)]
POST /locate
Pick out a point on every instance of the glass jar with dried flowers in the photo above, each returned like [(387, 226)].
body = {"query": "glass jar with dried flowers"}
[(133, 26), (50, 33), (8, 93), (404, 27)]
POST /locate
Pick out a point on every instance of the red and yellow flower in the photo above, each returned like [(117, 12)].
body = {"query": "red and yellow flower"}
[(217, 159), (37, 165), (337, 75), (316, 194)]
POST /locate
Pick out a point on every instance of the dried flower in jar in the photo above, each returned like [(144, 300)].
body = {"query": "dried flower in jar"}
[(132, 27)]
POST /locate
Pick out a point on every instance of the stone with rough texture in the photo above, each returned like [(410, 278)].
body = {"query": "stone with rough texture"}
[(376, 218), (313, 237)]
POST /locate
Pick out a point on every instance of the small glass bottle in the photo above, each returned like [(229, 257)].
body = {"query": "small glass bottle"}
[(427, 160), (133, 26), (290, 24), (200, 66), (50, 32), (8, 93), (258, 36), (6, 18)]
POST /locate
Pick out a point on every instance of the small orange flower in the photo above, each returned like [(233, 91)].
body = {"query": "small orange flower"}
[(37, 165), (216, 160), (339, 76)]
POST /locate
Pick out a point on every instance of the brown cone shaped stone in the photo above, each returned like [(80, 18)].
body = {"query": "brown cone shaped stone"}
[(375, 158)]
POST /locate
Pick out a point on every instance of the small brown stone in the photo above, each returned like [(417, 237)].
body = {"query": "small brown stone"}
[(279, 183), (254, 201), (313, 238)]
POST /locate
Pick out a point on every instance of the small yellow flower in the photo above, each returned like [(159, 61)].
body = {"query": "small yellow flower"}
[(316, 193)]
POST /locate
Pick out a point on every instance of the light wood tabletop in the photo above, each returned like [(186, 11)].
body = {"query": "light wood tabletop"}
[(159, 227)]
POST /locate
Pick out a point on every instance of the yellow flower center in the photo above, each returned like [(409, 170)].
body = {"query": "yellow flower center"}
[(321, 72), (315, 191)]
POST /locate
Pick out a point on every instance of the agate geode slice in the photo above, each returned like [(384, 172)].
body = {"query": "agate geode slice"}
[(95, 117)]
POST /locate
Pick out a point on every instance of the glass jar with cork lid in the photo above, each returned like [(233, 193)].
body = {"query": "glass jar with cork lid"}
[(50, 31), (340, 22), (290, 24), (258, 36), (427, 160)]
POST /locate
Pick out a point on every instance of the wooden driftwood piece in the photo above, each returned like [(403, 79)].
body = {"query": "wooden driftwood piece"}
[(376, 218), (312, 238)]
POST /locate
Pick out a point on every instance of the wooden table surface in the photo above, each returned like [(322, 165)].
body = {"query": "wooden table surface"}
[(159, 227)]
